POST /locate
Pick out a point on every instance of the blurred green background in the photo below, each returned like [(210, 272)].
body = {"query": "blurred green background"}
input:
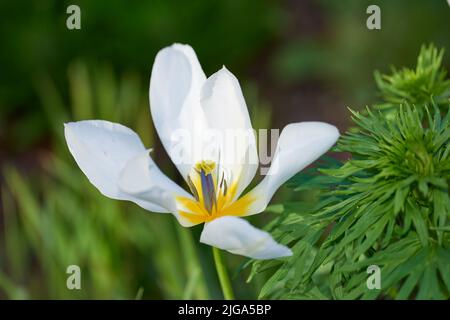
[(296, 61)]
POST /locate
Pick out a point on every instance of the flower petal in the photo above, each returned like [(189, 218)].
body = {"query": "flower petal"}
[(226, 113), (238, 236), (142, 179), (299, 145), (175, 85), (101, 150)]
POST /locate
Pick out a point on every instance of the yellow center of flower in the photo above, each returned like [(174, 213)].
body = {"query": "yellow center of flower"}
[(214, 196), (206, 166)]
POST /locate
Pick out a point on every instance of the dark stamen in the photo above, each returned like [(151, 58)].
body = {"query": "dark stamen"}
[(192, 188), (225, 187)]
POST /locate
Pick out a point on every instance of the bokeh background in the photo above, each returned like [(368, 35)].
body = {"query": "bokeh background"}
[(296, 61)]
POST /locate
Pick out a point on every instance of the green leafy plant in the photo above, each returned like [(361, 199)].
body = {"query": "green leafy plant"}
[(388, 205), (416, 86)]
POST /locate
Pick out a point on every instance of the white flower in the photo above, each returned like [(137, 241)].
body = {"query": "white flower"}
[(182, 98)]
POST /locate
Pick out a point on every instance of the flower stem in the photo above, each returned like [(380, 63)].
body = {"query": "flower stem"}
[(227, 290)]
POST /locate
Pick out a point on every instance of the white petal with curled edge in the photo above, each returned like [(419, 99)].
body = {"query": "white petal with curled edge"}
[(299, 145), (226, 112), (175, 85), (238, 236), (101, 149), (142, 179)]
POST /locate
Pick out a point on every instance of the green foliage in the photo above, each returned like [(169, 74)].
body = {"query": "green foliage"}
[(389, 205), (417, 85)]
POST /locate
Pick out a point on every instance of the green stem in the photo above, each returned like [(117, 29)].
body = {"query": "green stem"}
[(227, 290)]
